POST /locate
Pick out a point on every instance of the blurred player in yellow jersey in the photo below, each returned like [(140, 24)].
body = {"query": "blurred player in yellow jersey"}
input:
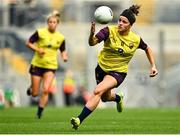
[(120, 44), (45, 42)]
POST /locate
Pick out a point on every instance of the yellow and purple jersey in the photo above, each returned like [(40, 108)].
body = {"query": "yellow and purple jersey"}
[(51, 43), (118, 49)]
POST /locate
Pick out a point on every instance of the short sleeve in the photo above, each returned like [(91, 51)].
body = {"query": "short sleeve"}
[(63, 46), (142, 45), (34, 37), (103, 34)]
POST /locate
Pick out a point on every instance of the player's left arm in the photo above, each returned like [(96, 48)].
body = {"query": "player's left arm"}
[(63, 51), (149, 54)]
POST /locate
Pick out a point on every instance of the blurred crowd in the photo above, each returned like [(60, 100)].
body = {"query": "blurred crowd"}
[(9, 96)]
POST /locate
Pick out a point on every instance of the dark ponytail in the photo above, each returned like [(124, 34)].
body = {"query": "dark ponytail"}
[(130, 13), (135, 9)]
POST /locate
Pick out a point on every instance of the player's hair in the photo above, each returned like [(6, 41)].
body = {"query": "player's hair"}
[(55, 14), (131, 12), (135, 9)]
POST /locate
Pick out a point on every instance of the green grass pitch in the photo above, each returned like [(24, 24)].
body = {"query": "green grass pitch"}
[(102, 121)]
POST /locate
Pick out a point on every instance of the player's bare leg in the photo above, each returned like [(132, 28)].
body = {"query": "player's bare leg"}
[(48, 78), (111, 96), (106, 85), (33, 90)]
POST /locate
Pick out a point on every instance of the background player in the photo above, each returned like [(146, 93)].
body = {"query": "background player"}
[(45, 42)]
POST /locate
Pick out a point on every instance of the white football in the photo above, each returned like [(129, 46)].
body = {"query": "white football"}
[(103, 14)]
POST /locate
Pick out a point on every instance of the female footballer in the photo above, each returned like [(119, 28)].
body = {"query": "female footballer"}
[(120, 44), (45, 42)]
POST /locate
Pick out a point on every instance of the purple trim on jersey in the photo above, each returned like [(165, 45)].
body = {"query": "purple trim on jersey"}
[(62, 47), (34, 37), (142, 45), (103, 34)]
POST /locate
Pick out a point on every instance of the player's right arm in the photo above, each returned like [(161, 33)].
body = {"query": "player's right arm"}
[(93, 40), (31, 44), (102, 35)]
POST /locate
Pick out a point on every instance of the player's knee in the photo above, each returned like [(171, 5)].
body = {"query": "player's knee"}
[(104, 99), (45, 92), (98, 91), (34, 94)]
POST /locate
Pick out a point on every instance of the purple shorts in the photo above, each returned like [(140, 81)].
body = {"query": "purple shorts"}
[(119, 76), (39, 71)]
